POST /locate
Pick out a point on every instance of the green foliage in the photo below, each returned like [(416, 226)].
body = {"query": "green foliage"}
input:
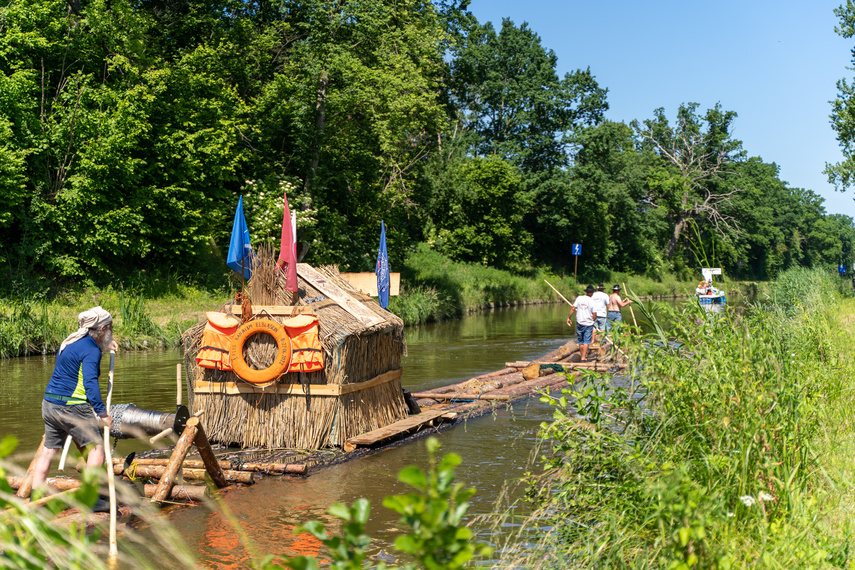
[(710, 460), (439, 540), (28, 539)]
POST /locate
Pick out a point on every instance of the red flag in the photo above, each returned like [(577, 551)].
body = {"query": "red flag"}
[(287, 261)]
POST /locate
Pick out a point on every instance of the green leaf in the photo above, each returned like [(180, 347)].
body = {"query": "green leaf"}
[(413, 476)]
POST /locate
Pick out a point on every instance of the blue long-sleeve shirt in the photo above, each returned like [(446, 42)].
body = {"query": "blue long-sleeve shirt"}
[(75, 376)]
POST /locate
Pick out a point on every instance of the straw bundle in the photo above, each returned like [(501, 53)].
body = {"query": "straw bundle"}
[(353, 352)]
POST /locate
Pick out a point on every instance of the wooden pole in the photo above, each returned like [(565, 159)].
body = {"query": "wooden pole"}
[(159, 471), (293, 468), (64, 455), (167, 479), (111, 479), (575, 265), (179, 387), (631, 312), (27, 486), (557, 291), (212, 466), (65, 485)]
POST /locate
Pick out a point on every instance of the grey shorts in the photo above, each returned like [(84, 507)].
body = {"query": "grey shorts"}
[(78, 421)]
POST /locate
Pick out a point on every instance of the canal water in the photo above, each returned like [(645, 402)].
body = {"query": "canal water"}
[(495, 448)]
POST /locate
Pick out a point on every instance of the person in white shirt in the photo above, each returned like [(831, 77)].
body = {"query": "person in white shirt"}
[(601, 301), (583, 306)]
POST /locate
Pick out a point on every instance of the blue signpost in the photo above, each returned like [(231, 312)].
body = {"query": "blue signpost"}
[(841, 269), (577, 251)]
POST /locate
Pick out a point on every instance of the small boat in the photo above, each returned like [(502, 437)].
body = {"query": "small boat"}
[(709, 296)]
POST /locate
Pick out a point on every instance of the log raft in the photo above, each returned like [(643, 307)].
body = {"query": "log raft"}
[(517, 381)]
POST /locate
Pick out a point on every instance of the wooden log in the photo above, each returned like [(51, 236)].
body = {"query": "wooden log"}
[(27, 485), (208, 458), (158, 471), (464, 396), (291, 468), (167, 479), (66, 485)]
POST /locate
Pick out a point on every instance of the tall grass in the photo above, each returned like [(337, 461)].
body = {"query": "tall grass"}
[(713, 457)]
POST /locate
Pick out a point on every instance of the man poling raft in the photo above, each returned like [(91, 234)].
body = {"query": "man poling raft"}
[(72, 404)]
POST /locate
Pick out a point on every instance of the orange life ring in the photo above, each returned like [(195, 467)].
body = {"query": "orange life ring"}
[(283, 351)]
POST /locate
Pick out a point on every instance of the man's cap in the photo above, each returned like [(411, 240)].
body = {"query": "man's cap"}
[(589, 289), (600, 287), (616, 288)]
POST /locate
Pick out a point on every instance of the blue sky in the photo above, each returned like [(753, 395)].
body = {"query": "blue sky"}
[(775, 63)]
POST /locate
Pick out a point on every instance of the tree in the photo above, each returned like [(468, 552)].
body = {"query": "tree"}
[(697, 154), (480, 214), (842, 174), (504, 87)]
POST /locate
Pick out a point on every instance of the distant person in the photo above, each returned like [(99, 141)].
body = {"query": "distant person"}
[(601, 302), (583, 306), (614, 307), (72, 402)]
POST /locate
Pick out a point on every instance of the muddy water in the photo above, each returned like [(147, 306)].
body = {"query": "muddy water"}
[(495, 448)]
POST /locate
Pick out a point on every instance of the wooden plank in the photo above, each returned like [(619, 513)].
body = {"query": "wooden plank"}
[(232, 388), (275, 310), (395, 429), (366, 282), (339, 295)]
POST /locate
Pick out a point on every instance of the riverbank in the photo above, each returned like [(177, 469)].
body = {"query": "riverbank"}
[(739, 454), (434, 288)]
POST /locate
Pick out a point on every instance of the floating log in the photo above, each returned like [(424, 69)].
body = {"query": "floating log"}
[(462, 396), (65, 484), (291, 468), (157, 471)]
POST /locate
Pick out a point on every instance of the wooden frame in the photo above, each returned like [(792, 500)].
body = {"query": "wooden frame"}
[(232, 388)]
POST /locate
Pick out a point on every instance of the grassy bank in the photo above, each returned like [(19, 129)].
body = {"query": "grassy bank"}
[(37, 325), (741, 457), (152, 312)]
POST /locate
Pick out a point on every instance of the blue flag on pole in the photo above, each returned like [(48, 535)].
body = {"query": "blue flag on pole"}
[(240, 252), (382, 270)]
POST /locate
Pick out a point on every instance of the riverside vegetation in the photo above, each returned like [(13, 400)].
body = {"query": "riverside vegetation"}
[(733, 450), (152, 311)]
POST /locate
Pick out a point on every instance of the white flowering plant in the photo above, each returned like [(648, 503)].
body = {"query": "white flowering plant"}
[(264, 206)]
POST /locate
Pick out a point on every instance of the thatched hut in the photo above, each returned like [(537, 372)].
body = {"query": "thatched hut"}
[(358, 390)]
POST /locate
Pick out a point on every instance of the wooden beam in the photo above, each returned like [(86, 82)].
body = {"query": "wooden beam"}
[(276, 310), (208, 458), (167, 479), (339, 295), (232, 388)]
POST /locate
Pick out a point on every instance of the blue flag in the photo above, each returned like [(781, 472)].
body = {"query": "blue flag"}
[(382, 270), (240, 252)]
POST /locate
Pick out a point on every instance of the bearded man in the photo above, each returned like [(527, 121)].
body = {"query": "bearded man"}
[(72, 405)]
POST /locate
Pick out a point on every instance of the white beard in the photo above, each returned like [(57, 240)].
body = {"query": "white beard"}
[(104, 340)]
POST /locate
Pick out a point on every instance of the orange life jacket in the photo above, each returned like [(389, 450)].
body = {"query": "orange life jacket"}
[(306, 352), (217, 341)]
